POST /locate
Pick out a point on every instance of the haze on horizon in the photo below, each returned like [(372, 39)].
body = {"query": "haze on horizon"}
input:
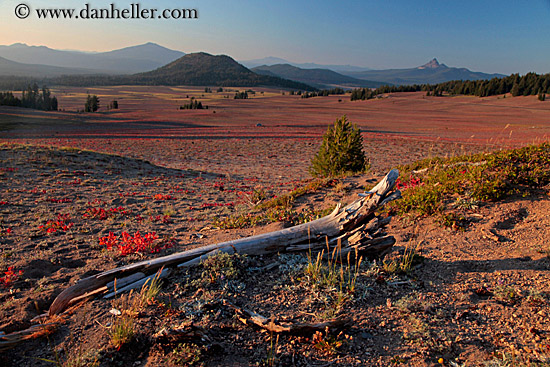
[(491, 36)]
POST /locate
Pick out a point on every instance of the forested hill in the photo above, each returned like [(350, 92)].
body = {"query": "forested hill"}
[(205, 69)]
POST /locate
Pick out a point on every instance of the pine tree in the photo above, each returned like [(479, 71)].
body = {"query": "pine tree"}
[(92, 104), (54, 104), (88, 104), (341, 151), (515, 90)]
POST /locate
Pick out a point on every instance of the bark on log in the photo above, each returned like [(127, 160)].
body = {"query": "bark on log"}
[(335, 227)]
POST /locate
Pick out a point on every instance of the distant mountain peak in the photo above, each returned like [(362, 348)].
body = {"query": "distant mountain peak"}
[(432, 64)]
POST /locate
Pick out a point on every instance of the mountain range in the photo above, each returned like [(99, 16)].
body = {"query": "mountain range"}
[(127, 60), (199, 69), (272, 60), (151, 63), (430, 73), (204, 69), (8, 67), (319, 78)]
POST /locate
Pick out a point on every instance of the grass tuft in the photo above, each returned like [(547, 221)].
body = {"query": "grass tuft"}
[(278, 209), (122, 330)]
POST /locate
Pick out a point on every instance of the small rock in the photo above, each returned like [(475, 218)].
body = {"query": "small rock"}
[(366, 335)]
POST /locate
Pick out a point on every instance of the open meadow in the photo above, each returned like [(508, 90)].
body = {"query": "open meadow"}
[(466, 285)]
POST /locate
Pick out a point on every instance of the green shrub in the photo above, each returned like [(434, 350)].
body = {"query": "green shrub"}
[(341, 151), (462, 182), (221, 267)]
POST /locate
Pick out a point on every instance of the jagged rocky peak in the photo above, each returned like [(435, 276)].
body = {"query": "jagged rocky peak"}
[(433, 64)]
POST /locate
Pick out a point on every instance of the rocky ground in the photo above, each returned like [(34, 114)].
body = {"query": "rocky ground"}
[(472, 297)]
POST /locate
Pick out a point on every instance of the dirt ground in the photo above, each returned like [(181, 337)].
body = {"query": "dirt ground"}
[(479, 297)]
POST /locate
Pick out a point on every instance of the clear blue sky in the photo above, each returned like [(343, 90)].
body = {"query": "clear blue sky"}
[(492, 36)]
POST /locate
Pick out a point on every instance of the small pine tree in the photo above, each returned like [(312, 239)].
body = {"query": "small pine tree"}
[(341, 151)]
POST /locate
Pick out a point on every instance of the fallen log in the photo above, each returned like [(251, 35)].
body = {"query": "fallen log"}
[(142, 281), (8, 341), (354, 227)]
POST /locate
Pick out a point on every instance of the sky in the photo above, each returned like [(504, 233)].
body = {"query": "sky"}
[(506, 36)]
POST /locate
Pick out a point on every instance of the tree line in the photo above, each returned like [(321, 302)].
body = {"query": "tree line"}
[(193, 105), (362, 94), (31, 97), (517, 85), (241, 95), (322, 93)]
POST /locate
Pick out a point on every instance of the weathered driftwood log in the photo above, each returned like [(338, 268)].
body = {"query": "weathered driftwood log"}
[(10, 340), (353, 227), (129, 285)]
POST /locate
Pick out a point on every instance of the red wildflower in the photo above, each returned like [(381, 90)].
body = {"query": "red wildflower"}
[(10, 276), (136, 244)]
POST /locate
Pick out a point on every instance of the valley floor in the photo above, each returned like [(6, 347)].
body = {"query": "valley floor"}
[(70, 183)]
